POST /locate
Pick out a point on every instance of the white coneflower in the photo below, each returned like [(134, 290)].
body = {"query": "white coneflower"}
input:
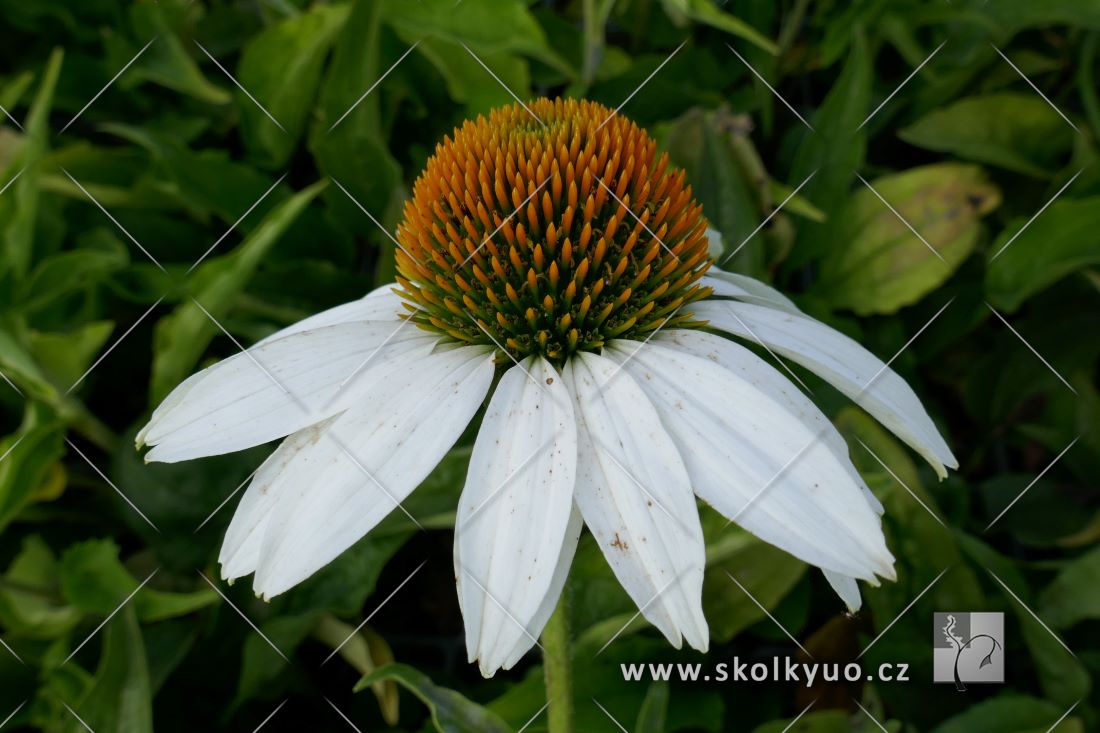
[(564, 256)]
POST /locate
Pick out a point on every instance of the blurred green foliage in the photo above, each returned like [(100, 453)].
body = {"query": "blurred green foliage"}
[(146, 196)]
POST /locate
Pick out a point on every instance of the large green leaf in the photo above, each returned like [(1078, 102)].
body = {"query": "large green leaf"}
[(1074, 595), (19, 202), (884, 265), (119, 698), (182, 337), (1028, 256), (451, 712), (1014, 130), (281, 67), (1010, 713), (28, 604)]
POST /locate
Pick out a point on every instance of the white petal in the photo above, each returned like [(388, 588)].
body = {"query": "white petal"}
[(635, 496), (842, 362), (845, 587), (240, 551), (761, 456), (368, 460), (514, 512), (732, 285), (381, 304), (277, 388)]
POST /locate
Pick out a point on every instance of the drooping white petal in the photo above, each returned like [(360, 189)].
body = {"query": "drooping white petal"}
[(759, 453), (513, 516), (842, 362), (845, 587), (240, 552), (381, 304), (277, 388), (732, 285), (369, 459), (635, 496)]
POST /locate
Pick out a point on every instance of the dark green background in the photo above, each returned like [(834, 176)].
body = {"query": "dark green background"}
[(967, 152)]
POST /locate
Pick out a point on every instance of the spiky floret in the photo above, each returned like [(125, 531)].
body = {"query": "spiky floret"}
[(548, 230)]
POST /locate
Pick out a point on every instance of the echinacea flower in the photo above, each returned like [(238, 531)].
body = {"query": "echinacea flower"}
[(553, 263)]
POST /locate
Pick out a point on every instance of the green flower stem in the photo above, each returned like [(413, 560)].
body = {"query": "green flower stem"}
[(557, 652)]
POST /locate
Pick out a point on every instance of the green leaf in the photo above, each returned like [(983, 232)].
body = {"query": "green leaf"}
[(1015, 15), (884, 265), (348, 142), (19, 204), (654, 711), (1059, 242), (100, 254), (1074, 595), (484, 25), (29, 605), (708, 13), (181, 337), (834, 152), (93, 580), (119, 698), (1011, 713), (166, 62), (65, 355), (465, 77), (451, 712), (827, 721), (1016, 131), (364, 650), (281, 67), (29, 456), (767, 574)]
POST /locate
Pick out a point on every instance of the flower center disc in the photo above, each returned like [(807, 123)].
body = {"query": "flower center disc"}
[(548, 230)]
